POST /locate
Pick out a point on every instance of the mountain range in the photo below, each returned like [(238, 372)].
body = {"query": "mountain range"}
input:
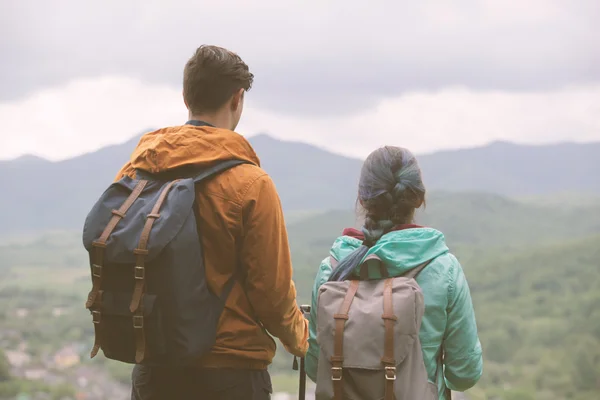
[(40, 195)]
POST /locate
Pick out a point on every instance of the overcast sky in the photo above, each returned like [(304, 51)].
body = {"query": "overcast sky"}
[(348, 75)]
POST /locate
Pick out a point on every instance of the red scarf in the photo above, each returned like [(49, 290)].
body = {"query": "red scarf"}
[(355, 233)]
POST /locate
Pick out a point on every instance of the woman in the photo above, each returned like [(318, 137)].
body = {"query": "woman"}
[(389, 192)]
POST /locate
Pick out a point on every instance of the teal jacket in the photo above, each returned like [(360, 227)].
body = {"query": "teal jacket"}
[(449, 320)]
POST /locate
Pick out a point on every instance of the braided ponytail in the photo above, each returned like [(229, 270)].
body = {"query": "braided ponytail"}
[(389, 191), (378, 218)]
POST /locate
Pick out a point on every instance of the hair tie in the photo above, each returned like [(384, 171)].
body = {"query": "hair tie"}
[(368, 243)]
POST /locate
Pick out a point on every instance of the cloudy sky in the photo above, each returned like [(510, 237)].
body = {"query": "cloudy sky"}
[(348, 75)]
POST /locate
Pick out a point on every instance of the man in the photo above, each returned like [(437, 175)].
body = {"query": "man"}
[(242, 226)]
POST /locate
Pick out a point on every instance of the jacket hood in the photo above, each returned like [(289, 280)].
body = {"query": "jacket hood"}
[(399, 250), (200, 146)]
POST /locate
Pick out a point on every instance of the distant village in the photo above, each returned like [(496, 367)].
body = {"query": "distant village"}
[(64, 366)]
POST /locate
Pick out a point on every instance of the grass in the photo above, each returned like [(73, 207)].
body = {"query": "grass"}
[(60, 279)]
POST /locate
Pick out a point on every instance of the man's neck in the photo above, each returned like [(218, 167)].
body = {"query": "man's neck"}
[(214, 119)]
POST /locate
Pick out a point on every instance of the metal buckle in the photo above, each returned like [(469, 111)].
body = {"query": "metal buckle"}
[(142, 272), (392, 376), (336, 373), (96, 317), (97, 270), (138, 321)]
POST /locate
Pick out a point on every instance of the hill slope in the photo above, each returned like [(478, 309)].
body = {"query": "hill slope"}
[(38, 194), (475, 219), (472, 223), (538, 311)]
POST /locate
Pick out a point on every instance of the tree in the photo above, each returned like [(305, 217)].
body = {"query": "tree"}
[(4, 367), (586, 364)]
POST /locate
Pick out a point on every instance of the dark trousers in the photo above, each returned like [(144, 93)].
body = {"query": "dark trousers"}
[(153, 383)]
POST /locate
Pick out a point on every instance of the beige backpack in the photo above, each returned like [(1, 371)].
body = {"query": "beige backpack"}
[(368, 334)]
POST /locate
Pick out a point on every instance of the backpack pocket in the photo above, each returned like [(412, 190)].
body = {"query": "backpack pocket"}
[(363, 384), (118, 333)]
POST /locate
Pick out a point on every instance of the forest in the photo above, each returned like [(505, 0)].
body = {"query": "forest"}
[(533, 269)]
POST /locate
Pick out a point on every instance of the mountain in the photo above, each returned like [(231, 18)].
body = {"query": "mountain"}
[(40, 195), (307, 177), (516, 170)]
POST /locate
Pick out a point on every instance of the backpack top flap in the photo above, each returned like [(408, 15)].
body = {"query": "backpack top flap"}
[(120, 245)]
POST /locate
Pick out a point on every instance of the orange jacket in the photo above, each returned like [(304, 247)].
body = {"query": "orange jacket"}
[(241, 220)]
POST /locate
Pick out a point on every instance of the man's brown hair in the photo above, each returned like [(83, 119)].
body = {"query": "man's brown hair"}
[(212, 76)]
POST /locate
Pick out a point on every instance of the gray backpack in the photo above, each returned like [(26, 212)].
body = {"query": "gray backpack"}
[(368, 334)]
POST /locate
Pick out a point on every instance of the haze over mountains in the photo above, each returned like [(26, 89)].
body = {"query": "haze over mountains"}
[(40, 195)]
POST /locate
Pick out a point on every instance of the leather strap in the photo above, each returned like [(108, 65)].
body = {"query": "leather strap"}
[(139, 274), (96, 319), (99, 245), (142, 250), (94, 299), (337, 360), (388, 360), (140, 334)]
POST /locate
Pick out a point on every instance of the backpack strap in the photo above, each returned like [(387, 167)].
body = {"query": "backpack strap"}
[(364, 271), (97, 258), (389, 319), (139, 273), (188, 171), (208, 173), (337, 359), (413, 273), (172, 176), (364, 268), (216, 169), (334, 263)]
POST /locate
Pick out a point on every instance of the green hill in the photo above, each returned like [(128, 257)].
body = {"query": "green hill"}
[(467, 219), (538, 313)]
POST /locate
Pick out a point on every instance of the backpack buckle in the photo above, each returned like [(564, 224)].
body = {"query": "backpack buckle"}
[(96, 317), (97, 270), (139, 272), (390, 373), (336, 373), (138, 321)]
